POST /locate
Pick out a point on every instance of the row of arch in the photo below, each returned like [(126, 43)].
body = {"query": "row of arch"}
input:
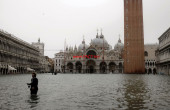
[(90, 67), (150, 64), (19, 69), (150, 70), (17, 54)]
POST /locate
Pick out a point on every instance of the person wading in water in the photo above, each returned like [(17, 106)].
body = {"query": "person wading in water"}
[(33, 84)]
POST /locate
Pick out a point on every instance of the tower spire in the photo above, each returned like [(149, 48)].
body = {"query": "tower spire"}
[(101, 31), (39, 40), (119, 39), (97, 34), (101, 36), (83, 42)]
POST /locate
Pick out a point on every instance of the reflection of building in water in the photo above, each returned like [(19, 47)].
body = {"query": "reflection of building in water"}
[(150, 58), (16, 55), (110, 60), (163, 53)]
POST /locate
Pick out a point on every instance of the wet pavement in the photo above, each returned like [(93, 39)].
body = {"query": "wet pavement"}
[(86, 92)]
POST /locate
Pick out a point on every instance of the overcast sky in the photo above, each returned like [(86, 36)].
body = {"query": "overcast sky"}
[(53, 21)]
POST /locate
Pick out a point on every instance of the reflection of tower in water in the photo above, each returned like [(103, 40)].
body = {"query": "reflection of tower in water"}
[(135, 94)]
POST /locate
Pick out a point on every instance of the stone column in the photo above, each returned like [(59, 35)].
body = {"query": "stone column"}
[(107, 69), (74, 69), (83, 68), (97, 68), (168, 69)]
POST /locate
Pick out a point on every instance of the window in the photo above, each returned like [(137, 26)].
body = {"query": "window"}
[(126, 10), (146, 53), (127, 34), (126, 26), (126, 18)]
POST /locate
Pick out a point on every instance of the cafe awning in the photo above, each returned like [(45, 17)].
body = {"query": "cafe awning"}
[(29, 69), (11, 68)]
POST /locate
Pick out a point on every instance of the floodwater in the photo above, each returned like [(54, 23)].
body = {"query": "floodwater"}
[(86, 92)]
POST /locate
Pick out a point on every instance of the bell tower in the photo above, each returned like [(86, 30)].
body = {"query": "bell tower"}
[(133, 37)]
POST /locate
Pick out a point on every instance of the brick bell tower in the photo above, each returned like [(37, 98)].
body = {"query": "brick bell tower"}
[(133, 37)]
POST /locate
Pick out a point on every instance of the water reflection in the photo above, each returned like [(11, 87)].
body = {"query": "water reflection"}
[(86, 92), (33, 100), (135, 94)]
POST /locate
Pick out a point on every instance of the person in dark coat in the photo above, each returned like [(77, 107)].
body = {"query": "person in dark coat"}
[(33, 84)]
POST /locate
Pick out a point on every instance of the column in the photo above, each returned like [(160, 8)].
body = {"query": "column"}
[(74, 69)]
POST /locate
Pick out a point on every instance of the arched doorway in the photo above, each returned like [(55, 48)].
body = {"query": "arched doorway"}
[(150, 71), (154, 71), (103, 67), (90, 65), (146, 53), (120, 67), (91, 54), (70, 67), (146, 70), (78, 67), (112, 67)]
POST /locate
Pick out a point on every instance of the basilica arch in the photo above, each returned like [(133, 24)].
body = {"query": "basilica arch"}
[(90, 66), (70, 67), (78, 67), (91, 52), (112, 67), (103, 67)]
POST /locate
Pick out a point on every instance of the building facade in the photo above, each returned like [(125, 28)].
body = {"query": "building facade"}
[(16, 55), (51, 64), (59, 62), (163, 53), (133, 37), (97, 57), (40, 46), (43, 61), (150, 58), (93, 58)]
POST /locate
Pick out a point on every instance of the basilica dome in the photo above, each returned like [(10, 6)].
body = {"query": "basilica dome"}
[(119, 45), (82, 45), (99, 41)]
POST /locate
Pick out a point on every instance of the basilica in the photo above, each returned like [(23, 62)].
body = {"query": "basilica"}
[(108, 60)]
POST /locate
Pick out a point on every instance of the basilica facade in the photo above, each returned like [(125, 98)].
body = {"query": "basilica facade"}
[(97, 57)]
